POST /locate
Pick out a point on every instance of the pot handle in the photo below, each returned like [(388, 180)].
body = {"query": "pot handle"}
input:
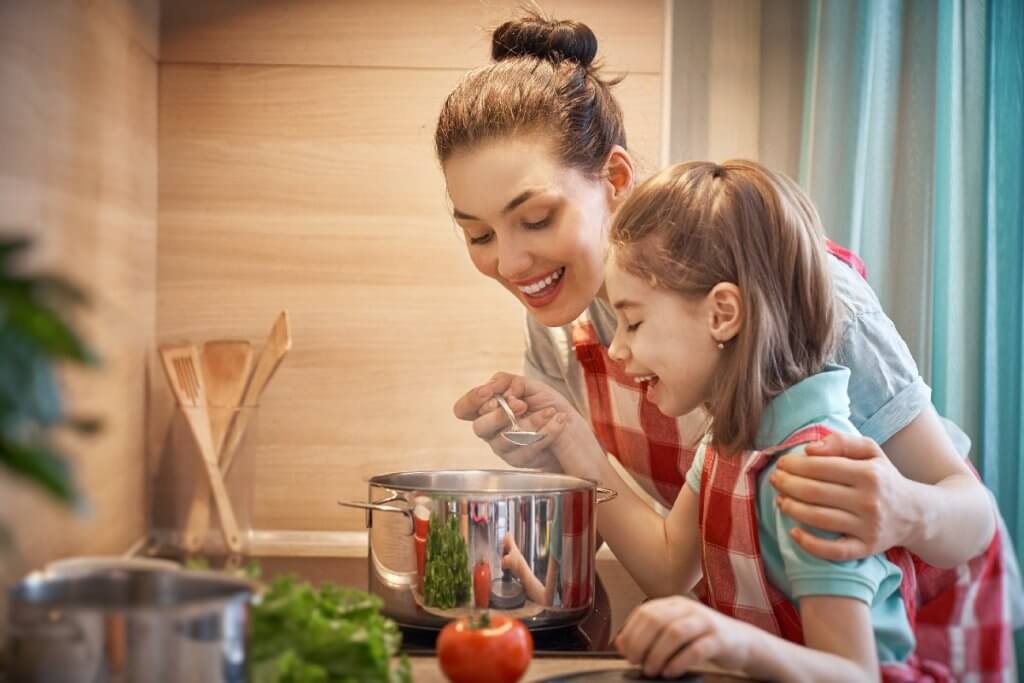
[(379, 506), (604, 495)]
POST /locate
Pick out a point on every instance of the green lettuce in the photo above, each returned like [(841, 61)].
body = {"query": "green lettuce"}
[(301, 634)]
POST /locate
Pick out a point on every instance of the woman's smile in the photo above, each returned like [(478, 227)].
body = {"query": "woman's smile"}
[(536, 226), (541, 291)]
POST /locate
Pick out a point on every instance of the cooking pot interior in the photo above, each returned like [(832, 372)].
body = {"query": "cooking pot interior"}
[(481, 481)]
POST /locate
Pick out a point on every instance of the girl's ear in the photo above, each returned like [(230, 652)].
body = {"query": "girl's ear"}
[(726, 309), (619, 176)]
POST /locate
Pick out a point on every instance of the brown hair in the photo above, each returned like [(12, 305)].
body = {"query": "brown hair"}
[(543, 80), (697, 224)]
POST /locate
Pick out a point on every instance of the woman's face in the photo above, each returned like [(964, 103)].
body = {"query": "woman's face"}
[(534, 225)]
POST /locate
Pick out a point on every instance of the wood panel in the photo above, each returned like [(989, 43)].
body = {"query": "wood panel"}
[(78, 172), (691, 80), (734, 95), (315, 188), (783, 57), (737, 81), (441, 34)]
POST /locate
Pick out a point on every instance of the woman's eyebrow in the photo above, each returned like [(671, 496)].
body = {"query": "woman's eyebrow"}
[(513, 203)]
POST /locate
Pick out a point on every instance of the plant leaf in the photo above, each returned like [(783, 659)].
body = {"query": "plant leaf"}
[(12, 246), (29, 392), (59, 290), (39, 464), (23, 315), (47, 290), (86, 426)]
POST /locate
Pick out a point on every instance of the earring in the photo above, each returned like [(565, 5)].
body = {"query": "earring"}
[(721, 345)]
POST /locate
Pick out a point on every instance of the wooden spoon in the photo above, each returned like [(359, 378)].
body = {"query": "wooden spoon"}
[(226, 366), (278, 343), (183, 368)]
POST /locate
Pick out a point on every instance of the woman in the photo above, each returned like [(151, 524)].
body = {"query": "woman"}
[(534, 154)]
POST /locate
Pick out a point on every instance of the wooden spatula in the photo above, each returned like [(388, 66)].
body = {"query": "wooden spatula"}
[(182, 365), (278, 343), (226, 366)]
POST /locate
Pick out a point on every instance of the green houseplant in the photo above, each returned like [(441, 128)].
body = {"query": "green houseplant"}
[(35, 336)]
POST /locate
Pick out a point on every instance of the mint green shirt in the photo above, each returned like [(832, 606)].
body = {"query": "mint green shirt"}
[(820, 399)]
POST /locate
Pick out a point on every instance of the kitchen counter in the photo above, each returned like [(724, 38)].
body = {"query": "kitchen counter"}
[(618, 595), (425, 670)]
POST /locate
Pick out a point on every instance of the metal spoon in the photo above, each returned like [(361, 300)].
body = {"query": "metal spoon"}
[(516, 435)]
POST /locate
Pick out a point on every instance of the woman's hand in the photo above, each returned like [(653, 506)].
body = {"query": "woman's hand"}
[(919, 494), (861, 496), (669, 636), (536, 407)]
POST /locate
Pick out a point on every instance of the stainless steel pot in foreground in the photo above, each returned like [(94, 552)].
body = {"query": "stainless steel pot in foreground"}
[(446, 542), (128, 625)]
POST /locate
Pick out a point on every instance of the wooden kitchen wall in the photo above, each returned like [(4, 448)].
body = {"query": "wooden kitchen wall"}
[(737, 85), (78, 133), (296, 171)]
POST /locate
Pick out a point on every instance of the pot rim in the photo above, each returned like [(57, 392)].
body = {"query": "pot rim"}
[(39, 591), (567, 483)]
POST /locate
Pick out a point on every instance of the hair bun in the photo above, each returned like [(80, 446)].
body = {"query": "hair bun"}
[(554, 41)]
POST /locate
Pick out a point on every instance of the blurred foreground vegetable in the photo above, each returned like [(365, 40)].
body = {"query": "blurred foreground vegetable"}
[(301, 634)]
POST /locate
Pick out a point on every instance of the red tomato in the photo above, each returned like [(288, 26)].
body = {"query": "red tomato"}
[(482, 584), (496, 649)]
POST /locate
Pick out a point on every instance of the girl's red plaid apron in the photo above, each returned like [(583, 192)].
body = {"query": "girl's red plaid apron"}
[(731, 555), (962, 619)]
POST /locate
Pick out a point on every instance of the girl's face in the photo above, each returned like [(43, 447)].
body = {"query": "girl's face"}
[(665, 341), (534, 225)]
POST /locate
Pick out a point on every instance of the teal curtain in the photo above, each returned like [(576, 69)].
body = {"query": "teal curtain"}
[(1001, 438), (912, 148)]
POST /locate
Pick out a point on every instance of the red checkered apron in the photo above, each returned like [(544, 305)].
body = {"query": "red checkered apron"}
[(963, 618), (577, 570), (735, 582)]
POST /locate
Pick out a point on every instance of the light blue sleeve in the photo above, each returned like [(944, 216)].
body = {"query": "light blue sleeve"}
[(809, 575), (693, 474), (886, 390)]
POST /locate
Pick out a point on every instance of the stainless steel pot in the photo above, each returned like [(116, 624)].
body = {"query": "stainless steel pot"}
[(128, 625), (527, 540)]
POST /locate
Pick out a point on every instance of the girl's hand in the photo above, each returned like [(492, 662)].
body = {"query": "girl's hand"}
[(536, 407), (669, 636), (860, 496), (512, 559)]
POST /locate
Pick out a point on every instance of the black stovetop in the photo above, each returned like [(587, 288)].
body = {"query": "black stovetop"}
[(590, 638), (552, 642)]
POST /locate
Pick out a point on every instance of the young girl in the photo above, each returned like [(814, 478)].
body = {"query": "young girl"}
[(723, 298), (534, 154)]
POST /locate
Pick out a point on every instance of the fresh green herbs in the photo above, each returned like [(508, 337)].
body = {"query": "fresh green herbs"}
[(251, 570), (446, 581), (304, 635)]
